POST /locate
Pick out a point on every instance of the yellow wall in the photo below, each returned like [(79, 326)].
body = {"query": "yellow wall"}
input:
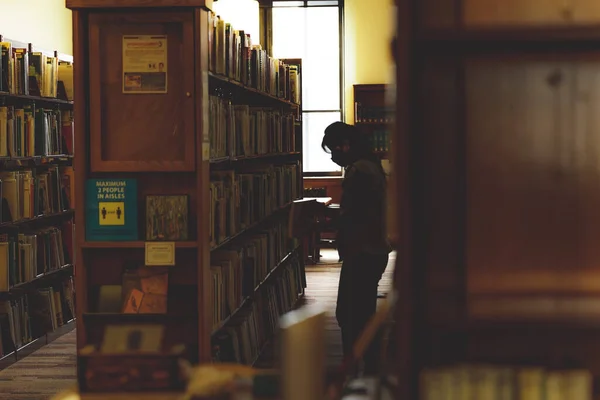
[(369, 26), (45, 23)]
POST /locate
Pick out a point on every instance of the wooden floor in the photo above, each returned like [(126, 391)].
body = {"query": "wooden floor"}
[(322, 283), (52, 368), (43, 373)]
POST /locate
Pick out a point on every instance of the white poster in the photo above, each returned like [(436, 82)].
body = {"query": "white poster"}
[(145, 64)]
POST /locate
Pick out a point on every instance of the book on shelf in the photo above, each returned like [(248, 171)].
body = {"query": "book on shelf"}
[(497, 381), (35, 312), (238, 269), (240, 199), (379, 140), (65, 75), (27, 71), (30, 131), (145, 290), (238, 130), (243, 337), (233, 55), (111, 210), (373, 114), (29, 193), (27, 255)]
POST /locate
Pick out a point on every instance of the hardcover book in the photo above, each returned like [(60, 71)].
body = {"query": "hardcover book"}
[(145, 291), (111, 210)]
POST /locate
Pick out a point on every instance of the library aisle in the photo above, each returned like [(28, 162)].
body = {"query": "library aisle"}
[(52, 368)]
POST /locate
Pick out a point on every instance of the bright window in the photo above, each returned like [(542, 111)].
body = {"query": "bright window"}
[(311, 31), (242, 14)]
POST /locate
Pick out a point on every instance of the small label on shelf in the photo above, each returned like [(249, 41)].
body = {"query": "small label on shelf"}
[(205, 151), (160, 254)]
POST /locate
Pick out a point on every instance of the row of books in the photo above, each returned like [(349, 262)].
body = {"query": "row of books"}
[(35, 313), (20, 66), (238, 269), (239, 200), (496, 382), (233, 55), (29, 193), (372, 114), (379, 140), (243, 337), (31, 131), (243, 131), (26, 255)]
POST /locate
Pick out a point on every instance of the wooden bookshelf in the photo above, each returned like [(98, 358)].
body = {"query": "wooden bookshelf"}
[(227, 134), (36, 182), (372, 116), (497, 185)]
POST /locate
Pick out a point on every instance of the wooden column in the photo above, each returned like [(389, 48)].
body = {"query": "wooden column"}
[(159, 138)]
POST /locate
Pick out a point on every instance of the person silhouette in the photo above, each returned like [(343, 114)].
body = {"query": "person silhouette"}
[(361, 237), (103, 212), (119, 212)]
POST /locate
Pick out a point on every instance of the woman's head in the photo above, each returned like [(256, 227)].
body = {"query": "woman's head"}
[(345, 143)]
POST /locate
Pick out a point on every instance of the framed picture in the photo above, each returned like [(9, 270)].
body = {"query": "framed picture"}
[(167, 217)]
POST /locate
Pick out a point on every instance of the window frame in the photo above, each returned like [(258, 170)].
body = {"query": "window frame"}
[(340, 7)]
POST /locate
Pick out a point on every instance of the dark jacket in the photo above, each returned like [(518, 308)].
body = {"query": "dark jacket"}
[(361, 224)]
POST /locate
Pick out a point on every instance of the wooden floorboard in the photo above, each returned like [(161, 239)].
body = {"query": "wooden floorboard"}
[(42, 373), (52, 368)]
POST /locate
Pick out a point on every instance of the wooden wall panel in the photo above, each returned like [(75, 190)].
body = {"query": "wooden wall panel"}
[(586, 11), (449, 14), (516, 12), (442, 208), (438, 14), (332, 184), (533, 176)]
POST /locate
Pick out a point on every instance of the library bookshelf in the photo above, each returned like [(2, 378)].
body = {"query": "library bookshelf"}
[(217, 123), (497, 261), (372, 115), (36, 184)]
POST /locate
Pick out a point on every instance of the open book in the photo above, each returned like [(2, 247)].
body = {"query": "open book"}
[(302, 217)]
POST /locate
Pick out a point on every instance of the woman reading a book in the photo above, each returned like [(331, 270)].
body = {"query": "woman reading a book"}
[(361, 235)]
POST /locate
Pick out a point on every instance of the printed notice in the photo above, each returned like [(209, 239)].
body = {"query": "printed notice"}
[(111, 210), (145, 64), (161, 254)]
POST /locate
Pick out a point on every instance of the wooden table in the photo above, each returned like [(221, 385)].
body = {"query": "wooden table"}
[(312, 241)]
